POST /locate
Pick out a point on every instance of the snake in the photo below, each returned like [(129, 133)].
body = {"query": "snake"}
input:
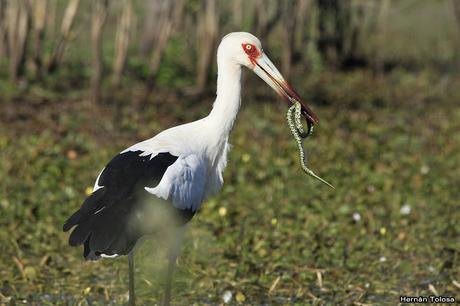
[(294, 122)]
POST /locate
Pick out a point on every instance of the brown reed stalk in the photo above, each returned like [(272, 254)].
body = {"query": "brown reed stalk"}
[(17, 25), (99, 16), (122, 41), (64, 36)]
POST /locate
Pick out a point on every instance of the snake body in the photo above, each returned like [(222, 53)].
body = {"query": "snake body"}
[(293, 117)]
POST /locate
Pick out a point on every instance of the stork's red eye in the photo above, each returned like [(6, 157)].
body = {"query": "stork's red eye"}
[(250, 50)]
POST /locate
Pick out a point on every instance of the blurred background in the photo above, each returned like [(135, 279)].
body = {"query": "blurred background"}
[(81, 80)]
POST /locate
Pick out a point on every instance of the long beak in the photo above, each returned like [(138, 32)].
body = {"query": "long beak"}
[(265, 69)]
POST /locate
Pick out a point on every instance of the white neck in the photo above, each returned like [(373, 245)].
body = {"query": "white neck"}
[(227, 103)]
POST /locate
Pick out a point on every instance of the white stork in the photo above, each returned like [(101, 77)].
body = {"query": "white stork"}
[(157, 185)]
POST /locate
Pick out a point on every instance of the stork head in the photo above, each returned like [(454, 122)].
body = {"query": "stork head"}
[(246, 50)]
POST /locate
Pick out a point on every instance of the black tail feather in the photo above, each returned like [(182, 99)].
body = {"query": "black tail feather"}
[(105, 223), (91, 205)]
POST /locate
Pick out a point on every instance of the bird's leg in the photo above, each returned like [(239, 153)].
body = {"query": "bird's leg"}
[(132, 297), (169, 278), (174, 251)]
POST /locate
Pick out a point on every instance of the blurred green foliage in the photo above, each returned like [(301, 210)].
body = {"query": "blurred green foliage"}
[(389, 143), (273, 235)]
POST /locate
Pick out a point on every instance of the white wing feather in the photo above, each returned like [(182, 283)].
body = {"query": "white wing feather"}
[(183, 183), (191, 179)]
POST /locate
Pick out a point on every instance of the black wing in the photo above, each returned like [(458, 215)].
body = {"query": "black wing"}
[(104, 222)]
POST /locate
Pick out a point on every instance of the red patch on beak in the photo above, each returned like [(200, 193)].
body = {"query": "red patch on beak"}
[(252, 52)]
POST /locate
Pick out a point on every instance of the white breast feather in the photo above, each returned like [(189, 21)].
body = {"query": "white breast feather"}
[(216, 179)]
